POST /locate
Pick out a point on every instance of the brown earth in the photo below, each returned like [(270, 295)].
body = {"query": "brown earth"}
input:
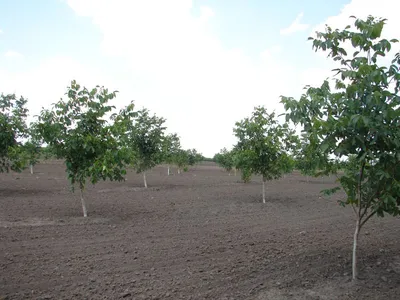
[(198, 235)]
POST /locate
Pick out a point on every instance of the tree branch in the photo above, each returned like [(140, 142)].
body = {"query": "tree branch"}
[(367, 218)]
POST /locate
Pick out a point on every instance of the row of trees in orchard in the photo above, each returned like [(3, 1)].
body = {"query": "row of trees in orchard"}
[(350, 129), (96, 142)]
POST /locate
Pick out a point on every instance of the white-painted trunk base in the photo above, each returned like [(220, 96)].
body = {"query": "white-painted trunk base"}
[(83, 205), (145, 180), (355, 241), (263, 191), (31, 167), (169, 171)]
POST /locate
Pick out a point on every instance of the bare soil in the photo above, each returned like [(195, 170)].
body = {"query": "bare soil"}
[(199, 235)]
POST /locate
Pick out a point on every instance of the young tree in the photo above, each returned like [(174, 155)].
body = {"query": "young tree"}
[(242, 161), (171, 148), (32, 147), (146, 139), (225, 159), (77, 131), (264, 145), (32, 151), (194, 157), (360, 119), (181, 160), (13, 114)]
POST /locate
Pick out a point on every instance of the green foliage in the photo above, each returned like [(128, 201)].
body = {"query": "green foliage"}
[(46, 152), (32, 147), (185, 158), (310, 160), (264, 145), (171, 147), (182, 159), (225, 159), (32, 152), (146, 139), (194, 157), (359, 119), (13, 128), (208, 159), (77, 130)]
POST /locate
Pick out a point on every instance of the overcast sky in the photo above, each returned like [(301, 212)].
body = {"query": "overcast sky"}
[(201, 64)]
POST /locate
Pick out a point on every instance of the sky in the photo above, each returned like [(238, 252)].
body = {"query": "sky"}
[(201, 64)]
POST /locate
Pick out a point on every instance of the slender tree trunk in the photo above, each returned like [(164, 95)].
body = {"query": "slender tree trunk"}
[(179, 171), (169, 171), (144, 179), (83, 204), (263, 191), (31, 167), (355, 240), (235, 171)]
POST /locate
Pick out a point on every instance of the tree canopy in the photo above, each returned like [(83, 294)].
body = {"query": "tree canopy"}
[(77, 130), (358, 118), (264, 145), (13, 129)]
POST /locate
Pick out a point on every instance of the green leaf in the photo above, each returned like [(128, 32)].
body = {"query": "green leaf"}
[(331, 191), (377, 30)]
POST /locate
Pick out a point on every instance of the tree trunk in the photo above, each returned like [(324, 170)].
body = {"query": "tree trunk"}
[(355, 240), (263, 192), (169, 171), (83, 204), (144, 179), (235, 171), (179, 171), (31, 166)]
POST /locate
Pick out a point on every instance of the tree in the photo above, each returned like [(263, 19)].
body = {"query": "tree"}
[(77, 131), (308, 160), (225, 159), (181, 160), (13, 114), (194, 157), (360, 119), (32, 147), (32, 151), (171, 148), (146, 140), (264, 145)]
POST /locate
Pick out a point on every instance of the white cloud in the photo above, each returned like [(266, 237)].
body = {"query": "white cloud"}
[(360, 9), (47, 84), (296, 26), (201, 87), (179, 68), (13, 54), (1, 31)]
